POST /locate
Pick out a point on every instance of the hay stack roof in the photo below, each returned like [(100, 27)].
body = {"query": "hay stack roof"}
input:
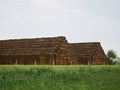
[(31, 46), (90, 49), (85, 48)]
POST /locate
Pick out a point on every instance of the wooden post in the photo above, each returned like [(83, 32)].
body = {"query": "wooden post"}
[(71, 62), (53, 62), (88, 63), (104, 63), (35, 62), (16, 62)]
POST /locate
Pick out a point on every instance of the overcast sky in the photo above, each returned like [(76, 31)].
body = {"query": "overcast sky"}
[(78, 20)]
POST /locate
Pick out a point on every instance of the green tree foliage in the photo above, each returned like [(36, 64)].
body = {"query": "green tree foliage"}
[(112, 56), (117, 61)]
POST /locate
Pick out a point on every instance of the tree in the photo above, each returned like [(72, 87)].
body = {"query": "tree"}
[(112, 56), (117, 61)]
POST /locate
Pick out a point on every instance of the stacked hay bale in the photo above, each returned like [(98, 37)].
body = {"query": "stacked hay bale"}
[(34, 51), (52, 50), (89, 53)]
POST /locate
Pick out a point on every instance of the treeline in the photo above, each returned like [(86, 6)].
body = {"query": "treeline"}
[(113, 57)]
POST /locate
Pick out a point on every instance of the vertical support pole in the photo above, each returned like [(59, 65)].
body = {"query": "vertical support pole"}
[(53, 62), (35, 62), (104, 63), (54, 59), (16, 62), (71, 62), (88, 63)]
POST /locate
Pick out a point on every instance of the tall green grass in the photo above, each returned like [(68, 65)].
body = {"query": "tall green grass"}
[(59, 77)]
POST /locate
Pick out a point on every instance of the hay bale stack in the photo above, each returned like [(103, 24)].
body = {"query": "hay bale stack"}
[(89, 53), (51, 50)]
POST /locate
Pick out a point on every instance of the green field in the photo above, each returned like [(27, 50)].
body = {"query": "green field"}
[(59, 77)]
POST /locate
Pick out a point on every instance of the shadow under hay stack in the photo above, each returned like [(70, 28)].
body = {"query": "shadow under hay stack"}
[(50, 51)]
